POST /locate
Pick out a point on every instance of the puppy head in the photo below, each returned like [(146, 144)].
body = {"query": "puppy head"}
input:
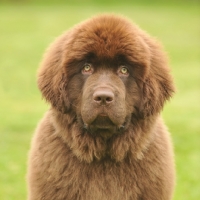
[(106, 41)]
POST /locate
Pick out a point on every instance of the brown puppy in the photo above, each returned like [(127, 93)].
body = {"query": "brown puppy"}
[(103, 138)]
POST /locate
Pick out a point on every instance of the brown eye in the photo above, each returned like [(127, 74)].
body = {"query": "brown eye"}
[(87, 69), (123, 71)]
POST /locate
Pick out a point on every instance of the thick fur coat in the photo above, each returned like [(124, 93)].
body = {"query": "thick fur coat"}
[(103, 138)]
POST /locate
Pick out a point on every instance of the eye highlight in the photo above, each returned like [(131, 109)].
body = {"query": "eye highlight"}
[(123, 71), (87, 69)]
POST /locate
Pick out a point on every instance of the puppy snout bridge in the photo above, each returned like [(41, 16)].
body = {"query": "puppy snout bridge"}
[(103, 96)]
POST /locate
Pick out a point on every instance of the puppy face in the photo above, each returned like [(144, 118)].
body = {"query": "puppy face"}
[(105, 71), (100, 94)]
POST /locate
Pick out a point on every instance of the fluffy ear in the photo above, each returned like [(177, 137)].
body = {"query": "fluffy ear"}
[(52, 78), (158, 85)]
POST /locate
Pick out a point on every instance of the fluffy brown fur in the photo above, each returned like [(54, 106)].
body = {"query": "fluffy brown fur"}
[(103, 138)]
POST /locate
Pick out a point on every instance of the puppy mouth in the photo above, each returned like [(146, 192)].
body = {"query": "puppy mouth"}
[(104, 126), (102, 122)]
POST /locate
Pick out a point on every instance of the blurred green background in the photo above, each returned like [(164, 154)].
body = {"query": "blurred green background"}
[(27, 28)]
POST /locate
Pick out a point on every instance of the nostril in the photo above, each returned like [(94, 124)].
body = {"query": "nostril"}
[(103, 96), (97, 98), (109, 99)]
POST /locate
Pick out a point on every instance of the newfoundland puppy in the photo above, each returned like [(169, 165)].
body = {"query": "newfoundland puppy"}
[(103, 137)]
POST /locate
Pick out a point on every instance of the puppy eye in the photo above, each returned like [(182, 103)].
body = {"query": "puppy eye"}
[(123, 71), (87, 69)]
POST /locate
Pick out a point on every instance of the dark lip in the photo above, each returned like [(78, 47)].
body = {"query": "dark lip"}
[(103, 115), (103, 121), (105, 132), (102, 124), (99, 127), (104, 127)]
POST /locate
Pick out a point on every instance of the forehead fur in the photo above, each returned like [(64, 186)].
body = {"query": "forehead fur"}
[(107, 36)]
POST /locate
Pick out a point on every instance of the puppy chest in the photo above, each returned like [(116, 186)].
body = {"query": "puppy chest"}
[(98, 182)]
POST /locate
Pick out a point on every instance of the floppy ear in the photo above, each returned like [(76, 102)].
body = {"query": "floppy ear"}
[(158, 86), (52, 77)]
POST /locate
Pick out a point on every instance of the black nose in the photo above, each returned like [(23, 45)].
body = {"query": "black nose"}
[(103, 96)]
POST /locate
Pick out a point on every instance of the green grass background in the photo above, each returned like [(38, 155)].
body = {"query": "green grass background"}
[(27, 28)]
